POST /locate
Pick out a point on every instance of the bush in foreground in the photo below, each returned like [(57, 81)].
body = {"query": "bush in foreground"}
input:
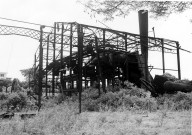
[(3, 96), (128, 98), (16, 100)]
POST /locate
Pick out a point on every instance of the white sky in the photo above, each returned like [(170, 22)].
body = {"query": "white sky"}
[(17, 52)]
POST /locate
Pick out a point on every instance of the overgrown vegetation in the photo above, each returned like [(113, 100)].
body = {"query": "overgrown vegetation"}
[(115, 112), (130, 98), (16, 101)]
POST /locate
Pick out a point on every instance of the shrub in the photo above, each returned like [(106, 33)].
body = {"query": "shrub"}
[(178, 101), (110, 99), (182, 101), (140, 103), (131, 97), (90, 105), (3, 96), (16, 101), (91, 93), (60, 98)]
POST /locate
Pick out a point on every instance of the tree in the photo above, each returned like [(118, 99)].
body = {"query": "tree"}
[(28, 74), (6, 83), (111, 8), (15, 85)]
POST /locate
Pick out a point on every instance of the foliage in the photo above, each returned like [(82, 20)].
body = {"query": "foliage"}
[(183, 101), (63, 120), (178, 101), (15, 85), (5, 82), (27, 73), (16, 100), (129, 97), (110, 9), (24, 84), (3, 96)]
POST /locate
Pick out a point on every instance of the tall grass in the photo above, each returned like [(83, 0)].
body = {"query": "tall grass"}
[(116, 112)]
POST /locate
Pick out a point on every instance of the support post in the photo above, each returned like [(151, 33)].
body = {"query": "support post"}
[(40, 66), (29, 78), (53, 70), (125, 42), (61, 73), (104, 38), (47, 58), (103, 78), (80, 60), (70, 57), (127, 62), (34, 73), (99, 65), (163, 55), (178, 60)]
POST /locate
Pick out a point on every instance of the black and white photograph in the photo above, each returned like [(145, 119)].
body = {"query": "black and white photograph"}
[(95, 67)]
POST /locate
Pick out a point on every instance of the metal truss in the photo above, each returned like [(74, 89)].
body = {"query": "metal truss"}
[(73, 47)]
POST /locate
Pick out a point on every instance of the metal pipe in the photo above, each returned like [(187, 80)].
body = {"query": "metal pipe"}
[(143, 27)]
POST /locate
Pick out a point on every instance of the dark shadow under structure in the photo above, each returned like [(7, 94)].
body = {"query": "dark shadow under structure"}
[(73, 56)]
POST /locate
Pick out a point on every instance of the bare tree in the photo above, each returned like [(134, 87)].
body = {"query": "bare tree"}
[(111, 8)]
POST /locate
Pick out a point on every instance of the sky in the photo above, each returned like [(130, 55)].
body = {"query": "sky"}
[(17, 53)]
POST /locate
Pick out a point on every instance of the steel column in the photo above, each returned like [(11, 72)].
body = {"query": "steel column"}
[(61, 73), (29, 79), (127, 62), (163, 55), (53, 70), (47, 58), (125, 42), (178, 60), (40, 66), (70, 57), (103, 78), (34, 74), (80, 60), (99, 65)]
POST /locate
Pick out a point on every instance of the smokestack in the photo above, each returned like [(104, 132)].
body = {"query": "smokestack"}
[(143, 28)]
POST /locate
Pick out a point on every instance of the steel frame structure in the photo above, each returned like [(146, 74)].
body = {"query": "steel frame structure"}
[(69, 47)]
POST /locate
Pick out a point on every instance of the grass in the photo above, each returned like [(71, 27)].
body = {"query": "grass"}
[(124, 112), (63, 119)]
